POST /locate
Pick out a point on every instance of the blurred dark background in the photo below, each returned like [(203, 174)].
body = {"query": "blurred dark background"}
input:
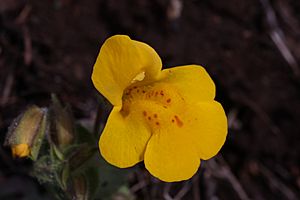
[(250, 48)]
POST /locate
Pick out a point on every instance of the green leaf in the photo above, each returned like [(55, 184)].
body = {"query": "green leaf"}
[(110, 179)]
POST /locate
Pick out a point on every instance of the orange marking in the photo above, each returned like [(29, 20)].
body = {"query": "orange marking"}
[(145, 113), (178, 121)]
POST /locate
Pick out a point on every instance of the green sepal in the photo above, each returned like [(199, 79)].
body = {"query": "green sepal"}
[(63, 131), (39, 139)]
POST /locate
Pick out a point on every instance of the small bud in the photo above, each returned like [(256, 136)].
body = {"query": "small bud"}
[(26, 133), (62, 124)]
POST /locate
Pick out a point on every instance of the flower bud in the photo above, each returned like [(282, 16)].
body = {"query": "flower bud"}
[(62, 124), (26, 133)]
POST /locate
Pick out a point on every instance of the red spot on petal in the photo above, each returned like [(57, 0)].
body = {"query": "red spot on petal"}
[(155, 115), (168, 100), (178, 121), (157, 123), (144, 91), (162, 93), (149, 118), (144, 113), (156, 93)]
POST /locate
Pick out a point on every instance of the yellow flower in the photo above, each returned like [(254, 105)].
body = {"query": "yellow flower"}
[(168, 118)]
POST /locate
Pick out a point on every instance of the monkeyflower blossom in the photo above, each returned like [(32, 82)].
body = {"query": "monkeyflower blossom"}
[(168, 118)]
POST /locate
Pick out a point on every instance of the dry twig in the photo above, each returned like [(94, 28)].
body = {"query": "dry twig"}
[(174, 9), (278, 37), (7, 89), (138, 186), (143, 183), (183, 191), (286, 12), (24, 14), (166, 193), (27, 46), (223, 171), (196, 187), (277, 184)]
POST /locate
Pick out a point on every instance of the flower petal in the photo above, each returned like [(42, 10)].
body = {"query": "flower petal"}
[(120, 60), (205, 119), (191, 81), (170, 156), (208, 128), (197, 131), (123, 139)]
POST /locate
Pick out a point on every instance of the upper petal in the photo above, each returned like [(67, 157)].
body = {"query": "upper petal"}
[(120, 60), (170, 156), (191, 81), (123, 140)]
